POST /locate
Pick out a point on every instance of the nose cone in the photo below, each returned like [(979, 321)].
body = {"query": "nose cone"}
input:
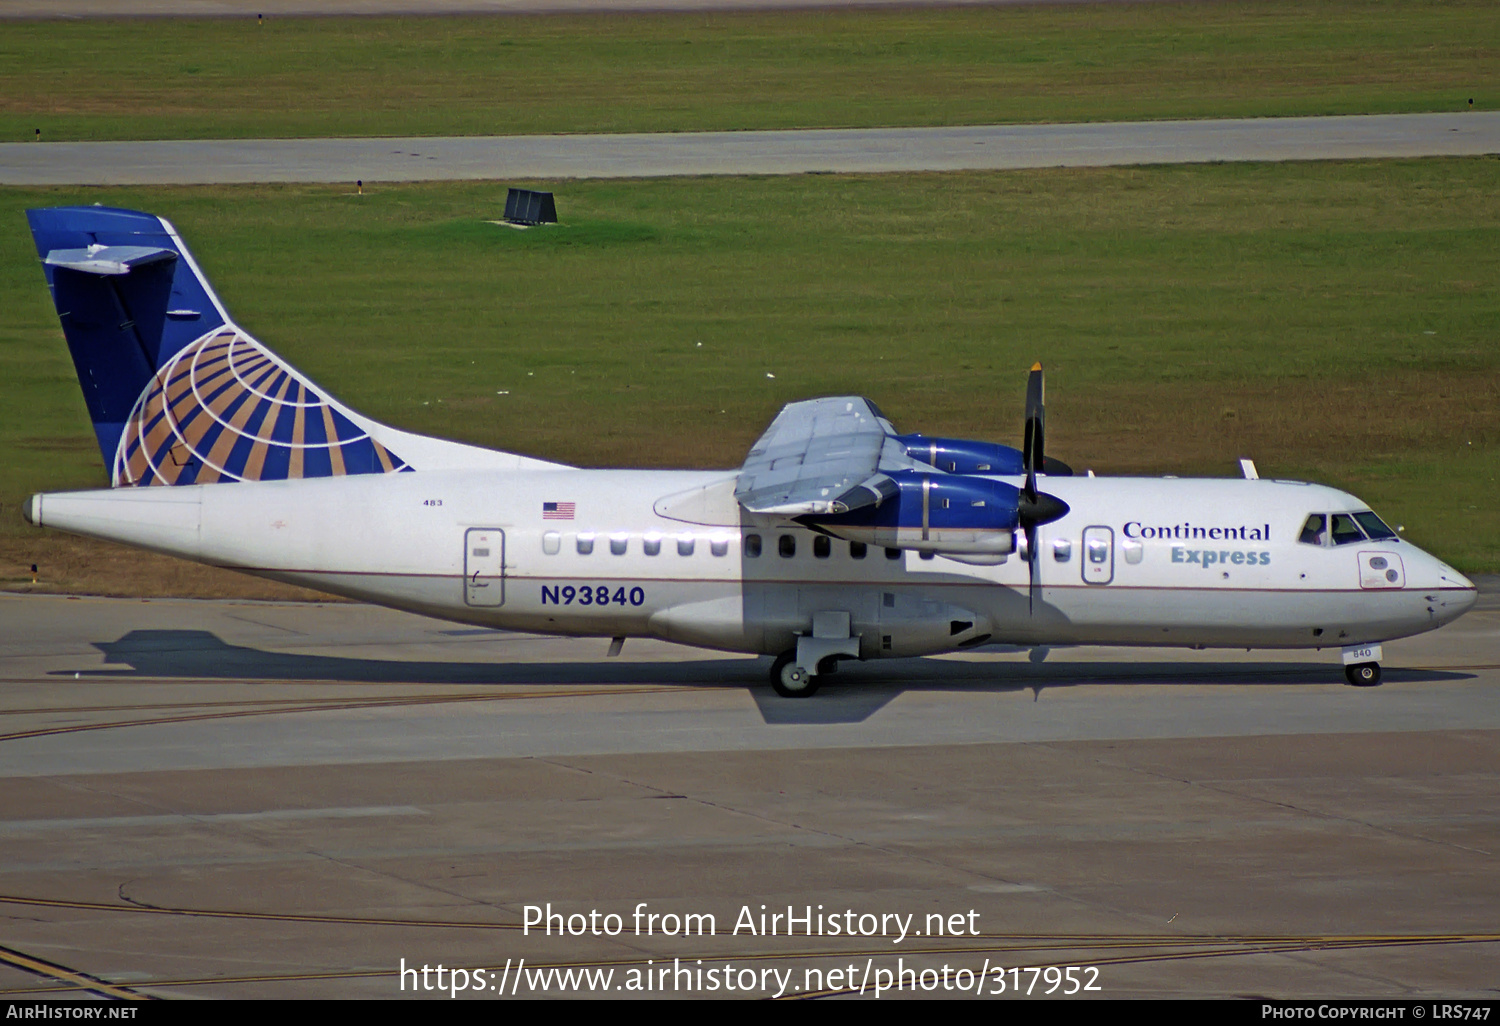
[(1450, 593), (1458, 595)]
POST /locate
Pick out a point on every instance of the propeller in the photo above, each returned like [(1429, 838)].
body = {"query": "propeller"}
[(1036, 508)]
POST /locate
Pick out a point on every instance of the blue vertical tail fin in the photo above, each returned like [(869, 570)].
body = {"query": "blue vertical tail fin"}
[(178, 394)]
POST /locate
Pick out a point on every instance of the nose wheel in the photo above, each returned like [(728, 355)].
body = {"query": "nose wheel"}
[(791, 680), (1363, 675)]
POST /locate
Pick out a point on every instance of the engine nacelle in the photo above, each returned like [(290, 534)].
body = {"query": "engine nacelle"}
[(939, 513), (967, 456), (964, 455)]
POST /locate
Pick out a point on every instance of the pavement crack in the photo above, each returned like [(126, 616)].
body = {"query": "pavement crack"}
[(1340, 818), (262, 623), (127, 899), (1275, 803)]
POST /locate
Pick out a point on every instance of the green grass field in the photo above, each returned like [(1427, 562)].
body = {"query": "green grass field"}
[(1334, 321), (157, 78)]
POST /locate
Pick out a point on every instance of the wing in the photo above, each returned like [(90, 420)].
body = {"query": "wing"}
[(822, 456)]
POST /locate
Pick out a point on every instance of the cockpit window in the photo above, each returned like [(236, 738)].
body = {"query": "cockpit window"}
[(1345, 530), (1313, 532), (1374, 526)]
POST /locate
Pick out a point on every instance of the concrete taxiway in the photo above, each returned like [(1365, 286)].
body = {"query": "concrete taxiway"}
[(282, 800), (873, 150)]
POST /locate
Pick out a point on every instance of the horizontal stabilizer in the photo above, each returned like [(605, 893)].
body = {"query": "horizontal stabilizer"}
[(107, 259)]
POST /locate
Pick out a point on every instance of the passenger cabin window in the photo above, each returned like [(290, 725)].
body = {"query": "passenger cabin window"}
[(752, 546), (651, 545), (551, 543), (684, 545), (1062, 550), (822, 548), (892, 553), (619, 543), (585, 544), (857, 550), (787, 546), (719, 546), (1313, 532), (1374, 526), (1345, 530), (1098, 550)]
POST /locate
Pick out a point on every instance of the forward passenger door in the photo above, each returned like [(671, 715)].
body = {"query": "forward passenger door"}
[(484, 566)]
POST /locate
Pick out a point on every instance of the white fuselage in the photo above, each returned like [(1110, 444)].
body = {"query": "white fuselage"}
[(1136, 561)]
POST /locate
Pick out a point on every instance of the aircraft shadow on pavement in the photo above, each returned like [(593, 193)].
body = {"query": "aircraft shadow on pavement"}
[(202, 654), (853, 694)]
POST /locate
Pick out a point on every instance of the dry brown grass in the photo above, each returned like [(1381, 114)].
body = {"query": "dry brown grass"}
[(1294, 424), (228, 77)]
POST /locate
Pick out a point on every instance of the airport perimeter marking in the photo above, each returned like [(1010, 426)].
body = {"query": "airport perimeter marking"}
[(870, 150), (62, 974), (1024, 941), (284, 706), (293, 705), (1249, 946), (278, 707)]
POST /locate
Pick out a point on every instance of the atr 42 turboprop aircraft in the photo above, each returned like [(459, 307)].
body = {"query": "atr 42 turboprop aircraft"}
[(837, 539)]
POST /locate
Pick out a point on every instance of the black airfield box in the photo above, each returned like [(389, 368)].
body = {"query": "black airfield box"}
[(522, 206)]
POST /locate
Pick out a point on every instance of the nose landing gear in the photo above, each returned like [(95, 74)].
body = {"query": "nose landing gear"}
[(1362, 665)]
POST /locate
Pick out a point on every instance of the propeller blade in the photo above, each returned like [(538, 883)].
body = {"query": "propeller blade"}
[(1035, 508), (1033, 513), (1032, 569), (1033, 447)]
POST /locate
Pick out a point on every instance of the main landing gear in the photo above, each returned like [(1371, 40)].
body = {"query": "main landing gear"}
[(791, 680), (796, 673)]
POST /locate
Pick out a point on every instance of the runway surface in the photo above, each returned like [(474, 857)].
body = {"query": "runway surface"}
[(995, 147), (255, 799)]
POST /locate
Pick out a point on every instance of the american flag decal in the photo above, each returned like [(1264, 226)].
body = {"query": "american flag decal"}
[(557, 510)]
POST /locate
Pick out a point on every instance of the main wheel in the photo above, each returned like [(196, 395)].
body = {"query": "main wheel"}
[(1363, 675), (790, 680)]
